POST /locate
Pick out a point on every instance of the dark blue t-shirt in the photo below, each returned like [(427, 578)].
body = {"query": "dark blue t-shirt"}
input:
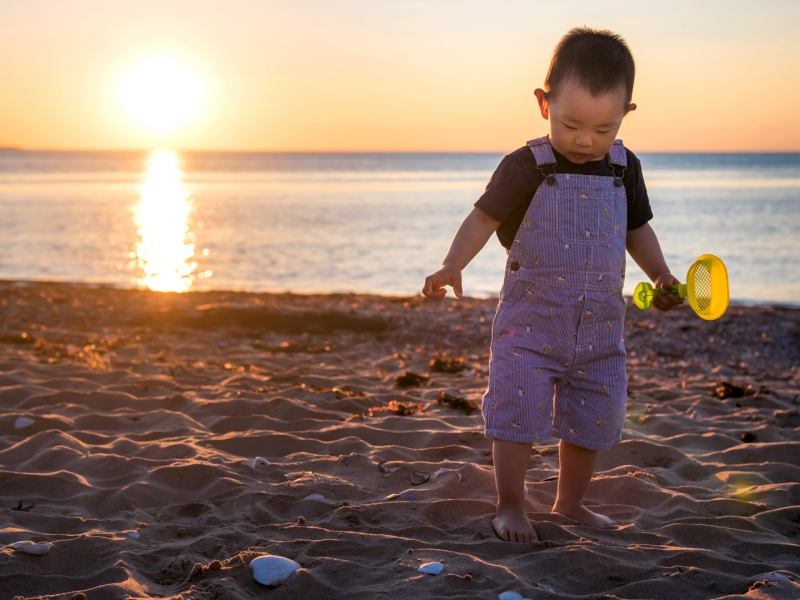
[(516, 179)]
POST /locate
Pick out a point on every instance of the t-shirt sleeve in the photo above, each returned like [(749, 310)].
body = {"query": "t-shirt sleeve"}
[(508, 187), (639, 211)]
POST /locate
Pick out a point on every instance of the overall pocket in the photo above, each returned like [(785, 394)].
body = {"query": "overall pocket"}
[(586, 216)]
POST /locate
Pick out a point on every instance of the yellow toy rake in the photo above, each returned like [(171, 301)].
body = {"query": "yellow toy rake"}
[(706, 288)]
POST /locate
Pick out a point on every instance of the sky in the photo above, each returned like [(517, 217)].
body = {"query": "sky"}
[(381, 75)]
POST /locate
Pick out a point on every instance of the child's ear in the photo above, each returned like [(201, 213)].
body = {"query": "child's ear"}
[(544, 107), (631, 107)]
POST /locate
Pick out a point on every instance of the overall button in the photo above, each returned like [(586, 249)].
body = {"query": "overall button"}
[(551, 180), (515, 266), (618, 183)]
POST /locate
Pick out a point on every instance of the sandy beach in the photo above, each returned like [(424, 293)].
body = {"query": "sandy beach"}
[(133, 412)]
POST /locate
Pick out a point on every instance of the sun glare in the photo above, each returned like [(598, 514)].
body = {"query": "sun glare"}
[(162, 93), (164, 251)]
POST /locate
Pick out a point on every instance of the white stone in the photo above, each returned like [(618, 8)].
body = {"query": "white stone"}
[(272, 570), (774, 577), (29, 547), (432, 568), (512, 596), (23, 422)]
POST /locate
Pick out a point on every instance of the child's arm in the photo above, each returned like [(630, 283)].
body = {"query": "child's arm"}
[(471, 236), (643, 246)]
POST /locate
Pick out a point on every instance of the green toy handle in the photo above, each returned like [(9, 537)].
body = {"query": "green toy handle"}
[(675, 290), (644, 293)]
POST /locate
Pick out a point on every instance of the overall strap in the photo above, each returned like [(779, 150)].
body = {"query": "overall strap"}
[(542, 151), (617, 154)]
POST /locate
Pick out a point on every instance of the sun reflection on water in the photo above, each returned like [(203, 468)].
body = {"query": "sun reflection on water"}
[(163, 254)]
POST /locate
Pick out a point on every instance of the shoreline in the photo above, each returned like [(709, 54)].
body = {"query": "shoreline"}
[(148, 411), (94, 285)]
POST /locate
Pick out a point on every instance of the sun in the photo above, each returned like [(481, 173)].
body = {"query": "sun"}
[(162, 93)]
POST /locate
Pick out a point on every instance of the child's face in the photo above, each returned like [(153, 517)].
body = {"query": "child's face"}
[(583, 127)]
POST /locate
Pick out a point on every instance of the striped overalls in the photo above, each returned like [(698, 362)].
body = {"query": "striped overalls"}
[(557, 362)]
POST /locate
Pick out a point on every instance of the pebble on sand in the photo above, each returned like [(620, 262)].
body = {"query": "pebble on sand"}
[(29, 547), (774, 577), (23, 422), (432, 568), (444, 470), (255, 462), (272, 570), (512, 596), (387, 469), (419, 477), (518, 596), (133, 535), (400, 496), (314, 497)]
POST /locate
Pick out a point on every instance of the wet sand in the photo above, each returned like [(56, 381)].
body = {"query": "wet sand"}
[(148, 409)]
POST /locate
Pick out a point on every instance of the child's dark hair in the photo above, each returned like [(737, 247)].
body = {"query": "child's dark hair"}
[(597, 58)]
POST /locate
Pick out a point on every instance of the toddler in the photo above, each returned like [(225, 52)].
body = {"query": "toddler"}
[(566, 207)]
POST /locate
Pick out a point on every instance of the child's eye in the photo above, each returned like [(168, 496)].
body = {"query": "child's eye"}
[(570, 127), (603, 132)]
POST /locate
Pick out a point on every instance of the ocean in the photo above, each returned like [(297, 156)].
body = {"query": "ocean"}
[(360, 222)]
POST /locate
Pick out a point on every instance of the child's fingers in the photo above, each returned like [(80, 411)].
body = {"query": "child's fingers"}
[(456, 285), (435, 295), (661, 303), (426, 289), (434, 287), (438, 294), (666, 302), (430, 286), (666, 282)]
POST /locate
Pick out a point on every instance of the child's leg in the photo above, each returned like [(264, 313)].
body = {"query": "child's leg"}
[(510, 465), (576, 466)]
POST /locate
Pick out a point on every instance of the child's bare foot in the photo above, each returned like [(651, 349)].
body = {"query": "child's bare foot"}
[(585, 516), (512, 524)]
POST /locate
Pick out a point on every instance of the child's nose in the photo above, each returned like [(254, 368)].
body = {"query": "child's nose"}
[(584, 141)]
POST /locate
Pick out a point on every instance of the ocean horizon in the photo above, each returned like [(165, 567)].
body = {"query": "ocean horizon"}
[(367, 222)]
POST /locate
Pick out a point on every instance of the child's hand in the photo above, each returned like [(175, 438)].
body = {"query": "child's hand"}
[(669, 301), (447, 275)]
